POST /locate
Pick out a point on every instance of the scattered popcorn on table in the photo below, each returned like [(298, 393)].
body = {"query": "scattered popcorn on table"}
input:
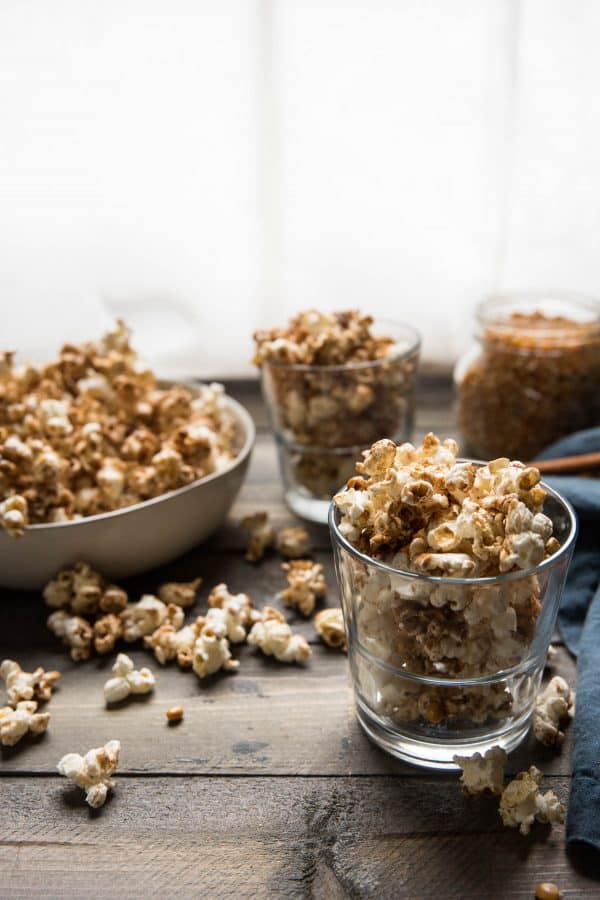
[(329, 625), (261, 535), (522, 802), (75, 633), (23, 719), (145, 616), (107, 631), (293, 542), (483, 774), (234, 611), (554, 705), (421, 510), (274, 637), (92, 432), (127, 680), (169, 643), (82, 591), (306, 583), (92, 772), (211, 652), (22, 685), (181, 593)]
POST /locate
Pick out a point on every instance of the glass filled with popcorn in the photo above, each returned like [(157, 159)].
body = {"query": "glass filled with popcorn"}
[(450, 573), (333, 385)]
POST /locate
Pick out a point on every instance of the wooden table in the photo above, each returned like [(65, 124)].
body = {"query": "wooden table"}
[(268, 788)]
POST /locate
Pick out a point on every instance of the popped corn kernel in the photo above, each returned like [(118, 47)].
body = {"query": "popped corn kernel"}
[(182, 593), (306, 583), (233, 612), (142, 618), (75, 633), (329, 625), (169, 643), (127, 680), (211, 652), (21, 685), (274, 637), (107, 631), (553, 706), (23, 719), (93, 771), (293, 542), (13, 514), (261, 535), (522, 802), (483, 774)]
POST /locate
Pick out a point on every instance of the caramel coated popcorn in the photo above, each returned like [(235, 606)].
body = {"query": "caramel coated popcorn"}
[(21, 685), (93, 432), (366, 396), (306, 583), (23, 719), (82, 591), (422, 511), (182, 593), (293, 542), (261, 535), (329, 625), (535, 380)]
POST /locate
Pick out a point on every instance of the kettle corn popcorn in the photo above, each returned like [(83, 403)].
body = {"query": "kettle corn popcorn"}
[(93, 771), (274, 637), (93, 432), (21, 685), (329, 625), (306, 582), (422, 511), (293, 542), (261, 535), (333, 384), (522, 802), (23, 719), (127, 680), (553, 706), (483, 774)]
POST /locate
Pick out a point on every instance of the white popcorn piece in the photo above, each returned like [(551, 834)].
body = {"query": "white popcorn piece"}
[(483, 774), (553, 706), (306, 583), (329, 625), (13, 515), (75, 633), (261, 535), (93, 771), (230, 613), (293, 542), (144, 617), (211, 653), (23, 719), (21, 685), (274, 637), (522, 802), (181, 593), (169, 643), (127, 680)]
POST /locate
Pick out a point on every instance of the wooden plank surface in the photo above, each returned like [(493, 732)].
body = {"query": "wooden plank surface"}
[(268, 788)]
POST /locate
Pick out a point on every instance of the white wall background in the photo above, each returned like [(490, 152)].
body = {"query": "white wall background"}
[(204, 167)]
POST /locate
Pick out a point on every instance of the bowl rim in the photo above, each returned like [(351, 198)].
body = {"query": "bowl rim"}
[(564, 550), (243, 417)]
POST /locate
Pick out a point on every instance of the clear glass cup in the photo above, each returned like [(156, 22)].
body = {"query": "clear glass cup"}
[(449, 666), (323, 417)]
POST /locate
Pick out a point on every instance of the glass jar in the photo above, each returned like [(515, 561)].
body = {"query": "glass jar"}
[(323, 417), (410, 634), (534, 375)]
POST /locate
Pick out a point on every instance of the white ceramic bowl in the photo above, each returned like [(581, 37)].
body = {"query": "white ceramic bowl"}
[(133, 539)]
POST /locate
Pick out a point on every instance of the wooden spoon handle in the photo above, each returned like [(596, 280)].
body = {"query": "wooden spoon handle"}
[(563, 464)]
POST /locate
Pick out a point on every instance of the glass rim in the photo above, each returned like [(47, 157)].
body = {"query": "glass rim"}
[(489, 308), (413, 347), (503, 578)]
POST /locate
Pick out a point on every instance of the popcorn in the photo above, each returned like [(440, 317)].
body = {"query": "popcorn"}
[(182, 593), (483, 774), (329, 625), (420, 510), (274, 637), (233, 612), (21, 685), (127, 680), (261, 535), (211, 653), (306, 583), (554, 705), (293, 542), (75, 633), (142, 618), (107, 631), (23, 719), (522, 803), (92, 772), (169, 643), (93, 432), (325, 409), (84, 591)]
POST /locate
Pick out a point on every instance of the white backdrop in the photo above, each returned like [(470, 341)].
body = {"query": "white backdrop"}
[(204, 167)]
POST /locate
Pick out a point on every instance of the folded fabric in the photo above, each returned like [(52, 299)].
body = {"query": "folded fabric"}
[(579, 622)]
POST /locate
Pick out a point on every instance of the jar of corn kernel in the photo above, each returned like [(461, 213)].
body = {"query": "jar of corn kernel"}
[(533, 376)]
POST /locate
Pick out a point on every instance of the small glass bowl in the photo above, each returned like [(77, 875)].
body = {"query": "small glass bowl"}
[(417, 708), (323, 417)]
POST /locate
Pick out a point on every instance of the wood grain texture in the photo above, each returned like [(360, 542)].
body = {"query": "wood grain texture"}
[(268, 788), (260, 837)]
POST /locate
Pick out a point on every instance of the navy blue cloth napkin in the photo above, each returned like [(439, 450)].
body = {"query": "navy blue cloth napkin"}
[(579, 622)]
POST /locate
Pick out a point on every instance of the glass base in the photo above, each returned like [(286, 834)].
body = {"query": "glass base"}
[(307, 507), (438, 754)]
